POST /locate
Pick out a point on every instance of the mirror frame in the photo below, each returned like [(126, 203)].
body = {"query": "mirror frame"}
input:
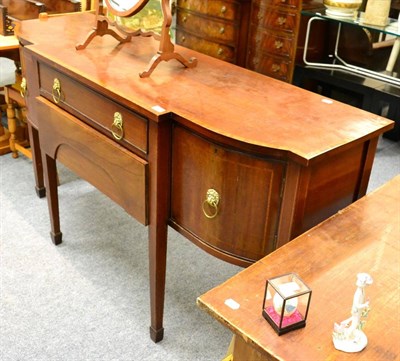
[(136, 6)]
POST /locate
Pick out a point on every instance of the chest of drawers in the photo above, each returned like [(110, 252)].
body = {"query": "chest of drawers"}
[(211, 27), (260, 35), (273, 37)]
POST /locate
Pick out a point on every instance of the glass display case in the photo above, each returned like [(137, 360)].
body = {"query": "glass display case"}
[(391, 30)]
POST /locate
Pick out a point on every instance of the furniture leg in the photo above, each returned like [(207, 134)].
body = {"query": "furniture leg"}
[(4, 140), (157, 265), (37, 161), (393, 55), (158, 226), (12, 127), (50, 172)]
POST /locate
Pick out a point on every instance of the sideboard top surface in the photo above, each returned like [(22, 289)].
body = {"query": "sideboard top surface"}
[(218, 96)]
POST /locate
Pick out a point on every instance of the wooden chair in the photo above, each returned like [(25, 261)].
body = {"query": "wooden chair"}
[(16, 118)]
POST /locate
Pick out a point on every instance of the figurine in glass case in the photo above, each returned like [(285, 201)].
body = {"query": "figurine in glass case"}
[(348, 336)]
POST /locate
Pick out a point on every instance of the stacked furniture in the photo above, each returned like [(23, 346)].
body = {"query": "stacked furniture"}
[(11, 13), (260, 35)]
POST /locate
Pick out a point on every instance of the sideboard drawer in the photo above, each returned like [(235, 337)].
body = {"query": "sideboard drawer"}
[(272, 43), (244, 222), (288, 4), (93, 108), (277, 20), (216, 50), (220, 9), (210, 28), (111, 168), (274, 66)]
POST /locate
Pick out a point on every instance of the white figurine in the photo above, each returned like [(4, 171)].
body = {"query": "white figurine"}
[(348, 335)]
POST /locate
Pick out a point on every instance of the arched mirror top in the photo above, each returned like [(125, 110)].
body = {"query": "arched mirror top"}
[(125, 8)]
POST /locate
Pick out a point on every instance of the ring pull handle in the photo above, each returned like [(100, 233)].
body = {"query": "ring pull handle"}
[(117, 127), (56, 91), (211, 201), (24, 88), (275, 68), (281, 21)]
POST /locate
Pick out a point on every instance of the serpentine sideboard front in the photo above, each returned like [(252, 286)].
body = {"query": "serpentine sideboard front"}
[(237, 162)]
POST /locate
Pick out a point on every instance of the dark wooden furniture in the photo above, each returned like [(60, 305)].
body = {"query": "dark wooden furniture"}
[(16, 118), (12, 11), (9, 48), (364, 237), (280, 158), (260, 35)]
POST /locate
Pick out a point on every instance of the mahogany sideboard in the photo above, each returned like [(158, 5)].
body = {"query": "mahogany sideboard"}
[(364, 237), (278, 158)]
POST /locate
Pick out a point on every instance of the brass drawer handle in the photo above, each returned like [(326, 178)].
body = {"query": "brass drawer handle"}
[(222, 30), (220, 51), (211, 201), (183, 39), (117, 127), (24, 88), (56, 91), (281, 21), (184, 19), (278, 44), (276, 68), (223, 9)]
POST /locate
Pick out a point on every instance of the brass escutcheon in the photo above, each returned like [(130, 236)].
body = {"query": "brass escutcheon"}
[(56, 91), (117, 127), (24, 88), (212, 200)]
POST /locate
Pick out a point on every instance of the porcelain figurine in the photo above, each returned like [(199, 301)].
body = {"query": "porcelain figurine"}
[(348, 336)]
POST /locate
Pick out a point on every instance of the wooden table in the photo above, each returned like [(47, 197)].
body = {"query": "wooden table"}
[(9, 46), (280, 159), (364, 237)]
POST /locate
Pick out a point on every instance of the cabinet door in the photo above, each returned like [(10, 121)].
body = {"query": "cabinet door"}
[(242, 226)]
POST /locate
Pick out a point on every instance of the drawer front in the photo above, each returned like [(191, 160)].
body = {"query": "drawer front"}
[(244, 223), (276, 20), (272, 43), (284, 4), (94, 109), (111, 168), (275, 67), (220, 9), (203, 27), (216, 50)]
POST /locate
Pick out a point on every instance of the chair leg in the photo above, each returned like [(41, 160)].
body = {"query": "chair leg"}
[(12, 127), (4, 136)]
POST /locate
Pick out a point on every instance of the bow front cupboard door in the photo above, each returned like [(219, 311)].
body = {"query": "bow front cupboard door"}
[(240, 223)]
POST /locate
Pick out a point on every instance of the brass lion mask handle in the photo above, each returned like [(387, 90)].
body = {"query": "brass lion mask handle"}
[(211, 203), (24, 88), (56, 91), (117, 127)]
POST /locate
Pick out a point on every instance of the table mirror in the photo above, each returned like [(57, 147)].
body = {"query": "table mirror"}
[(112, 22)]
